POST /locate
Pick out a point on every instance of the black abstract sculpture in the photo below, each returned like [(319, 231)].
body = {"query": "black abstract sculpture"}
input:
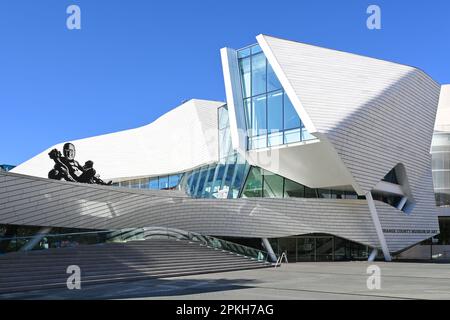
[(67, 168)]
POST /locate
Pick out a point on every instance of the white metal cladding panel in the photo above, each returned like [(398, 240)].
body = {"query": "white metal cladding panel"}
[(375, 113), (370, 109), (184, 138), (443, 113), (34, 201)]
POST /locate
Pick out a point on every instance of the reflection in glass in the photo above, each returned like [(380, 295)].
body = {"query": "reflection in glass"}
[(291, 118), (306, 249), (273, 185), (293, 189), (245, 69), (272, 80), (258, 74), (259, 116), (324, 249), (275, 118), (253, 185)]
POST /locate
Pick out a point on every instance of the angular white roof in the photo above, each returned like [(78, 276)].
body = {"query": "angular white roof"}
[(182, 139)]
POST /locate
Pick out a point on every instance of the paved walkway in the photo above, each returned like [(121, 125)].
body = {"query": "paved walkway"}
[(327, 280)]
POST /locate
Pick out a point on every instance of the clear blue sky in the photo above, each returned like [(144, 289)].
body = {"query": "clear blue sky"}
[(134, 60)]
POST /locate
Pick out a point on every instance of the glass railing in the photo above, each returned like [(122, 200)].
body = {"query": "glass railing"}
[(66, 240), (221, 244), (208, 241)]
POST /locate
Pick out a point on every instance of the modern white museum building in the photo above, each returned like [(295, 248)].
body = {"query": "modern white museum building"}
[(323, 154)]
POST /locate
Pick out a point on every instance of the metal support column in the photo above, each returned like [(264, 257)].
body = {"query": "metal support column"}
[(378, 228), (269, 249)]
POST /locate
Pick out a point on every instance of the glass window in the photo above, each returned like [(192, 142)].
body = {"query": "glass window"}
[(248, 115), (163, 182), (193, 181), (144, 183), (253, 184), (310, 193), (229, 175), (275, 118), (273, 185), (207, 189), (259, 115), (336, 194), (306, 249), (217, 181), (275, 139), (134, 183), (324, 193), (446, 161), (275, 111), (153, 184), (173, 180), (224, 142), (278, 125), (272, 81), (256, 49), (223, 118), (292, 135), (351, 195), (244, 66), (244, 53), (201, 183), (258, 74), (306, 135), (241, 169), (291, 118), (258, 142), (293, 189)]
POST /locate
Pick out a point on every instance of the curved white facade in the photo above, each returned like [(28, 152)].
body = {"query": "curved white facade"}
[(182, 139), (365, 119)]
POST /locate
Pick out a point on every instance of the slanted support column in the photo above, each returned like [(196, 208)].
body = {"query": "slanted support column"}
[(378, 228), (373, 255), (37, 237), (269, 249)]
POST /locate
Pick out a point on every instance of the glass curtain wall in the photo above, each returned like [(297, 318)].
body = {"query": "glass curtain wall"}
[(271, 119), (225, 146), (319, 247), (261, 183), (440, 153), (223, 179), (168, 182), (219, 180)]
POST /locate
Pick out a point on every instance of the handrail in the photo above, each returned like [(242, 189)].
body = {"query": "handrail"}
[(280, 258)]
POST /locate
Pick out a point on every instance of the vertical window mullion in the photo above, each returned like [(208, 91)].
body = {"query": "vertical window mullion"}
[(262, 182), (251, 96), (267, 105), (282, 118)]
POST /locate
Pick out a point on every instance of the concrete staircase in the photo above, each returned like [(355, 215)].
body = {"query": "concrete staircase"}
[(114, 262)]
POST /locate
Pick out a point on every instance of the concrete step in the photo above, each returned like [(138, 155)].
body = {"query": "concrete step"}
[(62, 283), (108, 272), (87, 265), (97, 251), (94, 256), (115, 262)]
